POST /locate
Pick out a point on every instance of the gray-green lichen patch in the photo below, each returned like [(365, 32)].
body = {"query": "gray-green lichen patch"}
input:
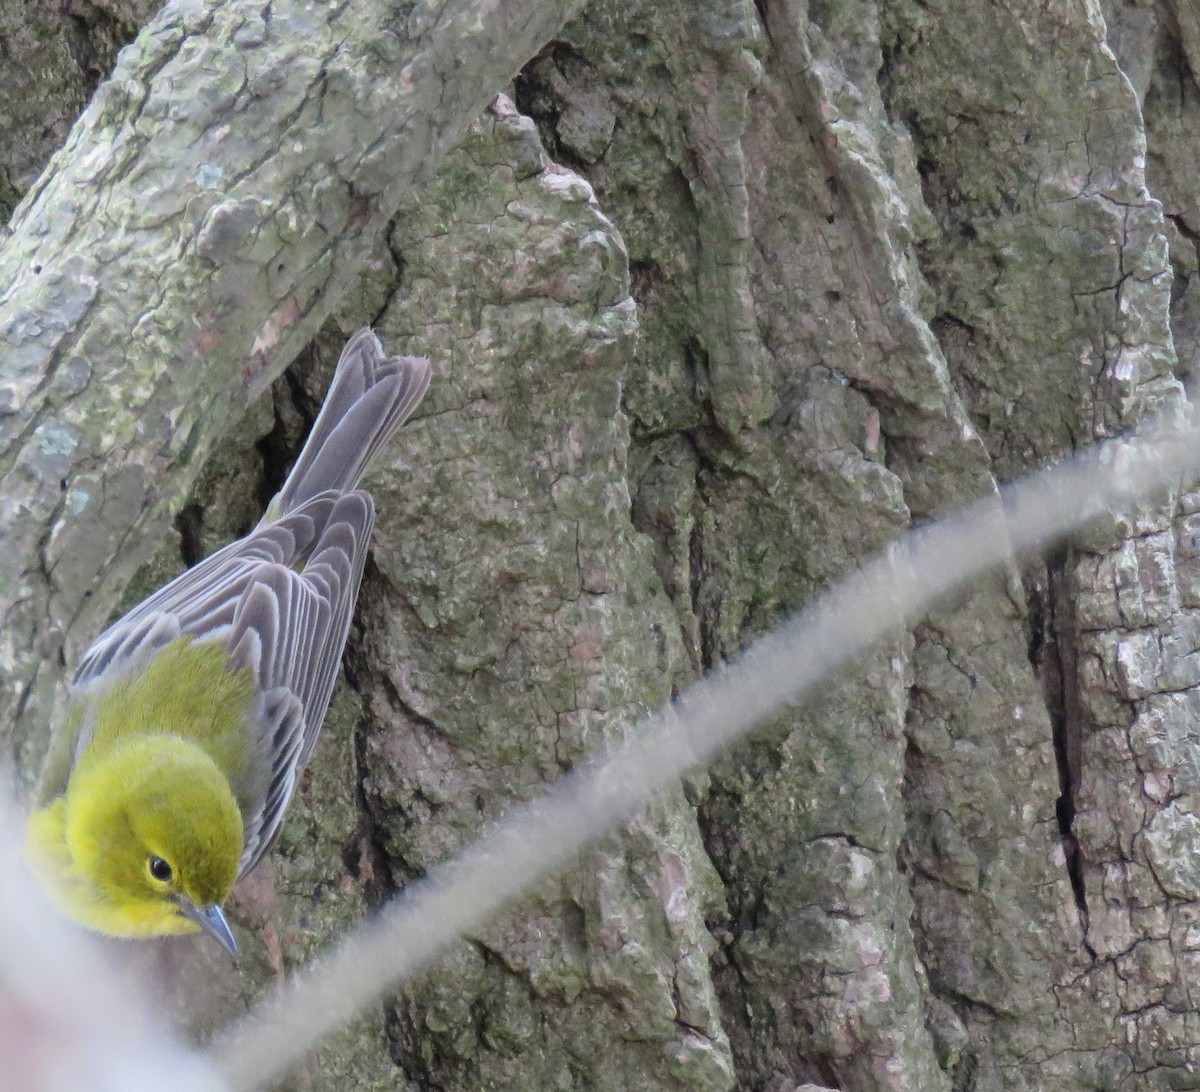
[(1050, 266), (54, 58), (673, 174), (751, 516), (1053, 276), (513, 623)]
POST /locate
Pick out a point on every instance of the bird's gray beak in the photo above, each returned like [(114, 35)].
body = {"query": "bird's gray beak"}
[(212, 920)]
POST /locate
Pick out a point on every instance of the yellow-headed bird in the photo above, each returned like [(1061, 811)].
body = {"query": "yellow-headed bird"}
[(190, 719)]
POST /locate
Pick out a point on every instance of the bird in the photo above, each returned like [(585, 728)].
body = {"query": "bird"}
[(189, 720)]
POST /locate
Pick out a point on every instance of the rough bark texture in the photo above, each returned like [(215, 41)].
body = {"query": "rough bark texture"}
[(207, 210), (738, 295), (53, 55)]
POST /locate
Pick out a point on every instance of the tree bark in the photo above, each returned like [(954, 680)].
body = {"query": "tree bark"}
[(884, 256), (207, 210)]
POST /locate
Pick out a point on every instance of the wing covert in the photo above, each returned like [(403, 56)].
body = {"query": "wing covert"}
[(289, 628)]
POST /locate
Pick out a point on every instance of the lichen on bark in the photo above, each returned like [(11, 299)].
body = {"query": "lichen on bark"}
[(884, 256), (527, 638)]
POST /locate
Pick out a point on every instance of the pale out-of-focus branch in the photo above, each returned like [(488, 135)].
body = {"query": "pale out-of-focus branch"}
[(67, 1019), (201, 220), (887, 594)]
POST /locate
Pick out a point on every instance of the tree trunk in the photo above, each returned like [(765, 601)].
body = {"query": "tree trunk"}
[(732, 297)]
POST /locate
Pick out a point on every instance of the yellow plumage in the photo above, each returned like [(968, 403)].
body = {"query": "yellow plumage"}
[(190, 719)]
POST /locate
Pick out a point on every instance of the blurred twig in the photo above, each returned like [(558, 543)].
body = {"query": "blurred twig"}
[(538, 838), (68, 1022)]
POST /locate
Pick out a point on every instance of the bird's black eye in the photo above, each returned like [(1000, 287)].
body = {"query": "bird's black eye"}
[(159, 869)]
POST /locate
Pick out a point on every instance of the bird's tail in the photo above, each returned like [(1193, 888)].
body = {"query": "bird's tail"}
[(370, 397)]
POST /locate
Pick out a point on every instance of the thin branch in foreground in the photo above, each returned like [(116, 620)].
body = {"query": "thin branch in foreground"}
[(539, 838)]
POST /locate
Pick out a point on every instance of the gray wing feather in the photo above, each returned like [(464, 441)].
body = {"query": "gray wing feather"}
[(201, 602), (283, 714), (371, 396), (290, 628), (128, 645)]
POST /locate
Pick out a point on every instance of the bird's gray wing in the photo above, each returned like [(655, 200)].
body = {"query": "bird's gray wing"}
[(202, 601), (289, 628)]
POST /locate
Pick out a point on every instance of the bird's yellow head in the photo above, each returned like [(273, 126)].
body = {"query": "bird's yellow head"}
[(145, 841)]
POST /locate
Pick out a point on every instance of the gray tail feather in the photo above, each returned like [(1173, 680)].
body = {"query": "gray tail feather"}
[(370, 397)]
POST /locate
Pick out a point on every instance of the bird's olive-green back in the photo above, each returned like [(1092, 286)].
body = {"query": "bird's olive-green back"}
[(188, 689)]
